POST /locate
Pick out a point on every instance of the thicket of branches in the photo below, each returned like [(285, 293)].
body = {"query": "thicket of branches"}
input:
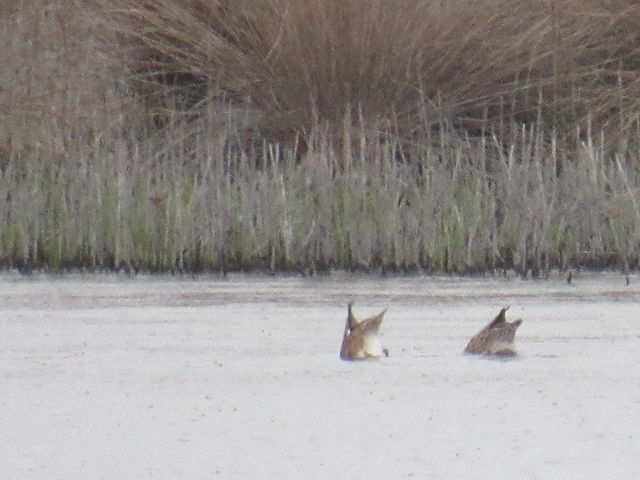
[(479, 65)]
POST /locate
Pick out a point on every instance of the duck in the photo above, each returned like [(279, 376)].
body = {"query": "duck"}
[(360, 338), (497, 338)]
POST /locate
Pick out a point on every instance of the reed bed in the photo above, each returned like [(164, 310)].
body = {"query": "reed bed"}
[(461, 207), (179, 140)]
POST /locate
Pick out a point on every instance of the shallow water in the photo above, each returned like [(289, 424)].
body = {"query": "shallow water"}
[(166, 378)]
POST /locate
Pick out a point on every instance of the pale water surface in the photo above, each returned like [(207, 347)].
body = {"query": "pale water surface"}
[(105, 377)]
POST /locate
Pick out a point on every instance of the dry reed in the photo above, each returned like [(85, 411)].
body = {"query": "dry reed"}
[(298, 136)]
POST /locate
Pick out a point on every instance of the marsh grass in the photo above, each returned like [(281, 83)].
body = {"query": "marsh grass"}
[(461, 207), (258, 139)]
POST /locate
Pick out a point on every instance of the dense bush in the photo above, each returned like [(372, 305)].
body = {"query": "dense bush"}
[(480, 65)]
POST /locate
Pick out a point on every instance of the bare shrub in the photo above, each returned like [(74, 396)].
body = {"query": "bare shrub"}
[(481, 65), (302, 62)]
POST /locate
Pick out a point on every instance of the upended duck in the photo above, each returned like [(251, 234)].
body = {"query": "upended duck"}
[(497, 338), (360, 339)]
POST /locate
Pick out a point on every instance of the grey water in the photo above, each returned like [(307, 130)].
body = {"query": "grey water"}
[(105, 376)]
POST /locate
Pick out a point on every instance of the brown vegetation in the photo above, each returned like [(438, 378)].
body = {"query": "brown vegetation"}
[(481, 65), (287, 134)]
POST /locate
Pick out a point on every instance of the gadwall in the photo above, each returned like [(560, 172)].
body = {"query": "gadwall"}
[(360, 338), (497, 338)]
